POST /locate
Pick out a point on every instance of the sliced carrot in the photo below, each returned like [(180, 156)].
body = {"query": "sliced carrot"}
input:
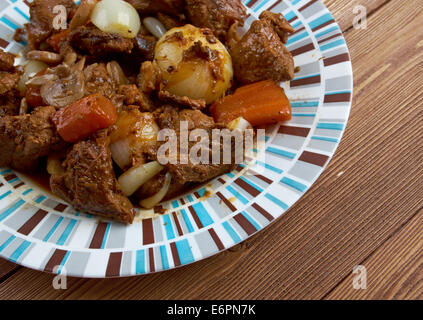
[(259, 103), (84, 117), (56, 39)]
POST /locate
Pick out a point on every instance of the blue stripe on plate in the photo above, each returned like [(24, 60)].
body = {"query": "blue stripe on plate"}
[(294, 184), (202, 214), (231, 232), (237, 195), (275, 200), (140, 262), (184, 251), (19, 251), (168, 227), (163, 255), (9, 211)]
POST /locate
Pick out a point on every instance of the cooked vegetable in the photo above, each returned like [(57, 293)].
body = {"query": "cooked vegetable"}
[(193, 63), (154, 200), (85, 117), (259, 103), (60, 92), (116, 16), (54, 165), (44, 56), (133, 132), (153, 25), (33, 96), (82, 14), (135, 177), (114, 69), (239, 124), (30, 69)]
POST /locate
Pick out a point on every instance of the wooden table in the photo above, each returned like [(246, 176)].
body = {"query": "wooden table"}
[(366, 209)]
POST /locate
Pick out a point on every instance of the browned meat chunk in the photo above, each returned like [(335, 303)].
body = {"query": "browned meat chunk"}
[(218, 15), (261, 54), (89, 183), (192, 173), (98, 80), (7, 61), (279, 24), (40, 26), (172, 7), (8, 82), (144, 46), (133, 96), (27, 138), (98, 43), (168, 21)]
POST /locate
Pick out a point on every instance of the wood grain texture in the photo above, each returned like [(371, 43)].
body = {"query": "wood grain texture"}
[(361, 210), (343, 11), (395, 270)]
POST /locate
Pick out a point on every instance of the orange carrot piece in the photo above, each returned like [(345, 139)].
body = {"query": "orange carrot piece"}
[(259, 103), (84, 117)]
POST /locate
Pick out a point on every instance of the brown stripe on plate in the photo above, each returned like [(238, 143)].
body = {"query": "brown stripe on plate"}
[(178, 226), (3, 43), (197, 195), (294, 131), (61, 207), (98, 236), (1, 184), (308, 4), (339, 97), (245, 224), (239, 168), (216, 239), (113, 266), (175, 254), (336, 59), (314, 158), (159, 209), (303, 49), (196, 219), (182, 201), (331, 37), (263, 212), (293, 19), (55, 260), (226, 201), (274, 5), (298, 30), (324, 25), (247, 187), (147, 231), (151, 259), (221, 181), (32, 222), (19, 185), (10, 177), (305, 81), (259, 176), (251, 3)]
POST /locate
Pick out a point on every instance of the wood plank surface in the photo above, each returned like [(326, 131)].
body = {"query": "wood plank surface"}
[(366, 208), (394, 271)]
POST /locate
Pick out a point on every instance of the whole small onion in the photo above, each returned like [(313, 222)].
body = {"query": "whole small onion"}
[(30, 69), (193, 63), (116, 16)]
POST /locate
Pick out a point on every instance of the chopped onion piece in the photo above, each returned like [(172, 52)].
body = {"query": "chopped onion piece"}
[(44, 56), (135, 177), (121, 153), (116, 16), (54, 165), (30, 70), (82, 14), (240, 124), (153, 25), (151, 202)]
